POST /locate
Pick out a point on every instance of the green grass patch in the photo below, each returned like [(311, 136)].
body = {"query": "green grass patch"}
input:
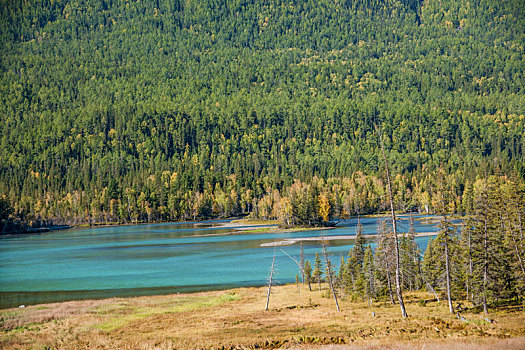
[(123, 314), (43, 308), (259, 230), (255, 222)]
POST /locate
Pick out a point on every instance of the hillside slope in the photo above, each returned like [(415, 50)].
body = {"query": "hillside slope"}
[(165, 110)]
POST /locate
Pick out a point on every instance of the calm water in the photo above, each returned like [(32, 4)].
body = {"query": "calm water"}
[(153, 259)]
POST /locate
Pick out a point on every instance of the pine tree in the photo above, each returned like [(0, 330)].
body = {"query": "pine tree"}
[(491, 276), (359, 245), (369, 274), (410, 258), (318, 269), (445, 237), (385, 258), (352, 271), (399, 289), (354, 264), (432, 263), (466, 246), (514, 197), (308, 273)]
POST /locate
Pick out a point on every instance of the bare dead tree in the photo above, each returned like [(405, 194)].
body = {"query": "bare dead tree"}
[(445, 232), (328, 266), (399, 292), (271, 280), (467, 232), (302, 262), (485, 265), (384, 246), (427, 283), (295, 261)]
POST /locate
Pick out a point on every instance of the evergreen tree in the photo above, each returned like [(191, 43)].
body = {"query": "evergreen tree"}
[(308, 274), (513, 197), (492, 276), (410, 258), (432, 264), (369, 274), (318, 269), (359, 245), (385, 259), (445, 237)]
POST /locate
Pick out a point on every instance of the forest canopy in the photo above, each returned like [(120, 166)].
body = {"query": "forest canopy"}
[(135, 110)]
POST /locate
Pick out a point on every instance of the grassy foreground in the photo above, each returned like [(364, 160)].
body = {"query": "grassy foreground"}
[(236, 319)]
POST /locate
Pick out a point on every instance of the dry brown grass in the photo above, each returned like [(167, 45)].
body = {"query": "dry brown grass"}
[(474, 344), (236, 319)]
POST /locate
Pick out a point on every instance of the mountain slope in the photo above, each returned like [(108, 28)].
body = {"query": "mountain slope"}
[(135, 108)]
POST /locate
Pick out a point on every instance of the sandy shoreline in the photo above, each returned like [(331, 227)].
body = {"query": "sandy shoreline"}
[(292, 241)]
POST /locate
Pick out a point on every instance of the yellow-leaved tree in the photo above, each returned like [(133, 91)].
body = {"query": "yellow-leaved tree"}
[(324, 206)]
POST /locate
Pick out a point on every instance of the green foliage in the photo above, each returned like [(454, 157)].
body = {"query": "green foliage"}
[(318, 269), (308, 273), (369, 273), (359, 245), (5, 209), (432, 263), (147, 111), (497, 271)]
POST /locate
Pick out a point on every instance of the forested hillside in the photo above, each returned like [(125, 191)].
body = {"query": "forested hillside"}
[(142, 110)]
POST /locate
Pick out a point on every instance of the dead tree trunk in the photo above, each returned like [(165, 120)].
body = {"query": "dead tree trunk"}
[(399, 292), (485, 267), (470, 264), (447, 273), (385, 245), (271, 280), (428, 284), (302, 262), (388, 278), (295, 261), (328, 266)]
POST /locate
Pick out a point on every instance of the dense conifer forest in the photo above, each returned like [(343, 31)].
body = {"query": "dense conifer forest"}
[(141, 111)]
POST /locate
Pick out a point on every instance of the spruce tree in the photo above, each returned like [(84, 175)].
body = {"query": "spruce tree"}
[(411, 258), (491, 276), (514, 197), (359, 245), (432, 264), (318, 269), (385, 258), (397, 263), (369, 274), (308, 273)]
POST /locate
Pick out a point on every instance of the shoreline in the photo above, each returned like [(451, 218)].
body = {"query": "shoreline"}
[(293, 241), (222, 227), (232, 222)]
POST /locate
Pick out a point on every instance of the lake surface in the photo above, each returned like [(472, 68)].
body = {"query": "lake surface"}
[(156, 259)]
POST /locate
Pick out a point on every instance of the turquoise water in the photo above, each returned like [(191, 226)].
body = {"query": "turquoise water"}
[(153, 259)]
